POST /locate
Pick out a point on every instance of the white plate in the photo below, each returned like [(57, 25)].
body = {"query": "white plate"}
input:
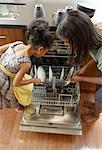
[(41, 74), (50, 74), (35, 70)]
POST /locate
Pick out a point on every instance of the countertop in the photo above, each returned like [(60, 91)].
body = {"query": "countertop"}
[(11, 138), (12, 26)]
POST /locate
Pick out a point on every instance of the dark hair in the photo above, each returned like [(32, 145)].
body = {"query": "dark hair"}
[(81, 33), (38, 34)]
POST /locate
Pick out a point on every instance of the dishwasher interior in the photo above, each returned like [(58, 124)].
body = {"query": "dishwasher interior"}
[(55, 105)]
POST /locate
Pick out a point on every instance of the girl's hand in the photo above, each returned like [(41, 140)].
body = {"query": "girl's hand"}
[(76, 78), (68, 77), (36, 81), (78, 75), (81, 71), (84, 71)]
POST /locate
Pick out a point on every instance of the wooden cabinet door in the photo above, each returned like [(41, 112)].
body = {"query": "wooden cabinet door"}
[(8, 35)]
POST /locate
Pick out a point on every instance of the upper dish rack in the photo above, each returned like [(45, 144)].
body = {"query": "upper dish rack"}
[(55, 93), (59, 47), (42, 97)]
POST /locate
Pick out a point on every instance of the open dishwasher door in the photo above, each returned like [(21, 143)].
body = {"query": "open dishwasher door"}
[(55, 106)]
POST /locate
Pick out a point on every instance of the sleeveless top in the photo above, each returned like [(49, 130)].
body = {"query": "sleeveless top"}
[(13, 63)]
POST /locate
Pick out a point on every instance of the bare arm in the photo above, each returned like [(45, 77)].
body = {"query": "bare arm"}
[(3, 48), (90, 63), (94, 80), (83, 74), (85, 69), (19, 76)]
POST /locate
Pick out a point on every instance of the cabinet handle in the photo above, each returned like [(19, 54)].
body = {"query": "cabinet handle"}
[(2, 37)]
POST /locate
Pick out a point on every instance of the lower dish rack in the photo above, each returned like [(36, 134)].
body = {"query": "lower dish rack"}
[(54, 111)]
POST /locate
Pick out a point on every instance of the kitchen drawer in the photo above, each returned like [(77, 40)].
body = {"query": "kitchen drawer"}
[(8, 35)]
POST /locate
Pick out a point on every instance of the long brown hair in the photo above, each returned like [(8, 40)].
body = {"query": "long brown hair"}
[(81, 33)]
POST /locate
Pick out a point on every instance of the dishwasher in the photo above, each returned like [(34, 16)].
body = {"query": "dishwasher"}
[(55, 105)]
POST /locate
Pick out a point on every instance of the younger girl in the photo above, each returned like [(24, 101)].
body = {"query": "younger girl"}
[(15, 57)]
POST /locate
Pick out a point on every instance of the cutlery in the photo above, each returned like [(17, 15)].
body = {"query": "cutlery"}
[(70, 73), (62, 74)]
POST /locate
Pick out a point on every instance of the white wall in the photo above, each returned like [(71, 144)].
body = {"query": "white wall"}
[(52, 5)]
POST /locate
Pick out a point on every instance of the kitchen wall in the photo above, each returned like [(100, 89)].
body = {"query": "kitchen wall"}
[(27, 13)]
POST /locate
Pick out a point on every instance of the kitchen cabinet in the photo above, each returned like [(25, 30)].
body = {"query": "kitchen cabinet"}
[(11, 34)]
